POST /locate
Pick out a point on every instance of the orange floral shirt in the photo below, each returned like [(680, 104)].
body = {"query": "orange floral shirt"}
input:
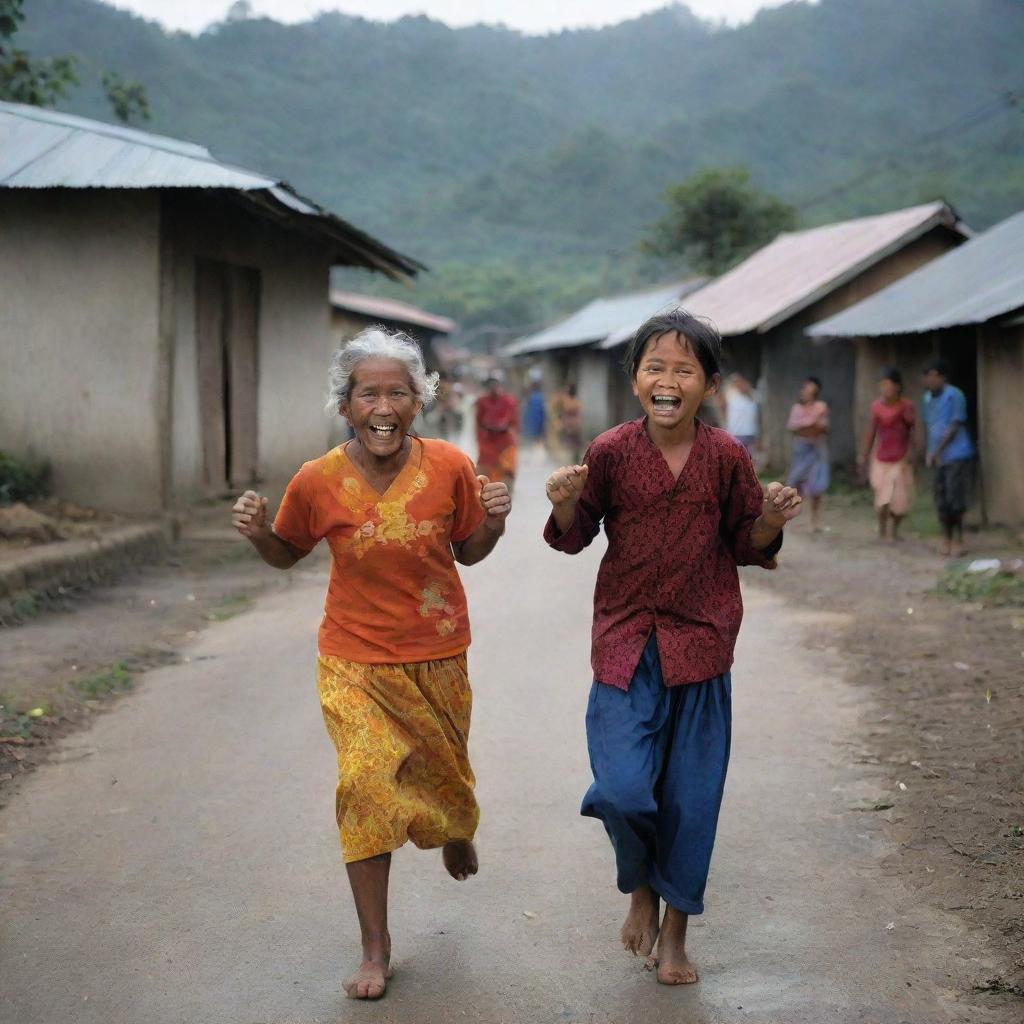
[(394, 594)]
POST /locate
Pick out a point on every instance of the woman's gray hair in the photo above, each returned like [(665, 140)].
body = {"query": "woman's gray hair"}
[(377, 342)]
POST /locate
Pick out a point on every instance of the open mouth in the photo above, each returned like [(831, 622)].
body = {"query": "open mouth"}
[(666, 402), (383, 430)]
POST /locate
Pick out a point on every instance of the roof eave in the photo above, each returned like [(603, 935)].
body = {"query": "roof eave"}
[(944, 217)]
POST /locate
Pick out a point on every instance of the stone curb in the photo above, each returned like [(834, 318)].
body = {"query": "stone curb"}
[(44, 571)]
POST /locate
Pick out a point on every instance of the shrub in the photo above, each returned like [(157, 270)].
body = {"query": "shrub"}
[(23, 481)]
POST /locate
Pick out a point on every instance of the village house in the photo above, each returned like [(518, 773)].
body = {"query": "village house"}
[(967, 307), (762, 306), (352, 311), (568, 352), (165, 329)]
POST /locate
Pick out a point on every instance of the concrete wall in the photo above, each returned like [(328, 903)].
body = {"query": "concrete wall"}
[(295, 337), (1001, 422), (788, 355), (79, 322), (593, 386)]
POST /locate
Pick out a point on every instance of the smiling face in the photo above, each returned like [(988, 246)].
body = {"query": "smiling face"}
[(381, 405), (670, 381)]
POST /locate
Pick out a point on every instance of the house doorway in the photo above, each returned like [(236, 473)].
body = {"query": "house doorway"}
[(227, 364)]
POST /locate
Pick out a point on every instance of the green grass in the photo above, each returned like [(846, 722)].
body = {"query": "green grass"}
[(1003, 589), (116, 679), (229, 607), (14, 722)]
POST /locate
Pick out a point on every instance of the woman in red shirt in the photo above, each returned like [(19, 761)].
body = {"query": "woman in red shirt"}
[(891, 474), (681, 507)]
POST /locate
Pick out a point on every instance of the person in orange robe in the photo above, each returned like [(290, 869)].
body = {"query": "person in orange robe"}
[(497, 432)]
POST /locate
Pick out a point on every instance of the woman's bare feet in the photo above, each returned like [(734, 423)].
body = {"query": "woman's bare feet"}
[(641, 926), (671, 962), (371, 978), (460, 859)]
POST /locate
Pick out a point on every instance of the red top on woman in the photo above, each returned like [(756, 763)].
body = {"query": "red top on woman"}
[(893, 424)]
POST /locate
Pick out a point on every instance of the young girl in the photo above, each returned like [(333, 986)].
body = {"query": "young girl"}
[(682, 507), (891, 475), (809, 470)]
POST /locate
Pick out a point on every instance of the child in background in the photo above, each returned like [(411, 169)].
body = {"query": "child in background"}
[(891, 474), (682, 507)]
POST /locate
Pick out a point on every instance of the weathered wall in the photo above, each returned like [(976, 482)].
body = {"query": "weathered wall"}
[(79, 320), (788, 356), (295, 337), (593, 370), (1001, 422)]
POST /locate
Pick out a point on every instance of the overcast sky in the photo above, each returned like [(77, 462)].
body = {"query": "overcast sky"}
[(527, 15)]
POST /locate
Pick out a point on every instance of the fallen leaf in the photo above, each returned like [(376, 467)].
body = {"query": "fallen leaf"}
[(891, 926), (530, 914)]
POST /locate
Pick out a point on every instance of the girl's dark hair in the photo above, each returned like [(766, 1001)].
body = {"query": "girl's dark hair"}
[(815, 381), (701, 334), (891, 373)]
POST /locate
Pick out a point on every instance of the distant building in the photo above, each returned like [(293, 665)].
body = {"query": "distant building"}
[(352, 311), (762, 306), (967, 307), (164, 331), (571, 351)]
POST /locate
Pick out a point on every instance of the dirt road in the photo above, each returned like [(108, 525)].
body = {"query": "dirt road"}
[(179, 862)]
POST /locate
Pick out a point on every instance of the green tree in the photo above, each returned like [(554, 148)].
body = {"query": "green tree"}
[(23, 79), (42, 82), (128, 98), (716, 218)]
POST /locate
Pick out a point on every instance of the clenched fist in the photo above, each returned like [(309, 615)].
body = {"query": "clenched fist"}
[(781, 505), (497, 503), (565, 486), (249, 515)]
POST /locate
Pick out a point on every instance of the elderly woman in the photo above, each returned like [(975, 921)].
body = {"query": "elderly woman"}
[(397, 511)]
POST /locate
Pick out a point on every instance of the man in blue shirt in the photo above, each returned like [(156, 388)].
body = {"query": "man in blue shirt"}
[(950, 451)]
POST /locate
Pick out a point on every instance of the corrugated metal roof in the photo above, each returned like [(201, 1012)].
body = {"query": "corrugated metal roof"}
[(390, 309), (600, 318), (43, 149), (801, 267), (980, 280)]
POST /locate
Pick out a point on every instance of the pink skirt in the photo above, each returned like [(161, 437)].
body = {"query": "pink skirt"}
[(893, 484)]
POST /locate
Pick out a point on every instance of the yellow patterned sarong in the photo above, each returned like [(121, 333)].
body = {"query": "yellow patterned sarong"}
[(401, 733)]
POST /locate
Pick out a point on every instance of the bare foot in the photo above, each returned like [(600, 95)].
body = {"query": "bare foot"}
[(945, 548), (672, 963), (460, 859), (641, 925), (370, 980), (957, 549)]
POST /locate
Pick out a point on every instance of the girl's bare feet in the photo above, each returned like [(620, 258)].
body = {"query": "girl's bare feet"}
[(460, 859), (641, 926), (371, 978), (671, 962)]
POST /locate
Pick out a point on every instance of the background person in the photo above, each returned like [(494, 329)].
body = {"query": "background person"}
[(891, 475), (950, 451), (497, 431), (742, 412), (809, 469)]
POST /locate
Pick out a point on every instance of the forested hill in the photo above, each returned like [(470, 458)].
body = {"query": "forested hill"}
[(529, 166)]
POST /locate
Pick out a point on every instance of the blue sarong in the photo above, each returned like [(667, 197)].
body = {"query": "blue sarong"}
[(809, 471), (659, 757)]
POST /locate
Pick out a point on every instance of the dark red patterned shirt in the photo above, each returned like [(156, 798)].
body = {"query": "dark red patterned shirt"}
[(673, 548)]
